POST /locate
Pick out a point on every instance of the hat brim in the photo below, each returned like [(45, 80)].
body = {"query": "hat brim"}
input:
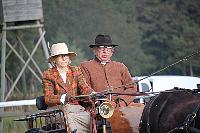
[(97, 45), (71, 55)]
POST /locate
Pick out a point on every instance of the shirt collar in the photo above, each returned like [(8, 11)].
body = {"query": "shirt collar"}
[(101, 62)]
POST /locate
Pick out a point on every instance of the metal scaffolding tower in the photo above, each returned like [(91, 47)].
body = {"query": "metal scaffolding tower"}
[(17, 18)]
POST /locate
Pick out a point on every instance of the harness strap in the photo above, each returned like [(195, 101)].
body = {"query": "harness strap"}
[(176, 129), (193, 130), (188, 122), (153, 104), (92, 122), (191, 117), (148, 114)]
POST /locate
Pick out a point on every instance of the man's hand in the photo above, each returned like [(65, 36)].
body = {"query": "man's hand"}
[(113, 103), (136, 104), (121, 104), (93, 93)]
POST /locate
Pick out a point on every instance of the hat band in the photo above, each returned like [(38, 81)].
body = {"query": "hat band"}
[(103, 43)]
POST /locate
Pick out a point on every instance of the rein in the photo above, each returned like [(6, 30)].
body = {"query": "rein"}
[(190, 119), (166, 67), (110, 89)]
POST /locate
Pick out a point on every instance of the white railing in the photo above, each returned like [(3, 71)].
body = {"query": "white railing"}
[(17, 103)]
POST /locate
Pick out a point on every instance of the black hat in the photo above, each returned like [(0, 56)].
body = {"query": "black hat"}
[(102, 40)]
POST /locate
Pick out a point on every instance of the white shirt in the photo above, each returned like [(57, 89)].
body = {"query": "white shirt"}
[(63, 74)]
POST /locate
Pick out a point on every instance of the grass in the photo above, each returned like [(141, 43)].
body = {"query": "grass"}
[(11, 126)]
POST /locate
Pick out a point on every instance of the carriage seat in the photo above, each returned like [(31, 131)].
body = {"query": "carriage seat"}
[(40, 103)]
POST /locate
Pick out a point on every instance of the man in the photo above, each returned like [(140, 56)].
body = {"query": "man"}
[(101, 73)]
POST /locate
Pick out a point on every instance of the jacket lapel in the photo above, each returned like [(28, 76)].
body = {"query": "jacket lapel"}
[(69, 79), (58, 79)]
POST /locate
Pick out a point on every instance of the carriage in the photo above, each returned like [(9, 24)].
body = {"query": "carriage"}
[(171, 111), (54, 119), (104, 118)]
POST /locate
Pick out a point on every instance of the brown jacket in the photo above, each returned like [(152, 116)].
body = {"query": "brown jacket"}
[(54, 87), (113, 74)]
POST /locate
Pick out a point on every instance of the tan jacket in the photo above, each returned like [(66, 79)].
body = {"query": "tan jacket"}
[(113, 74)]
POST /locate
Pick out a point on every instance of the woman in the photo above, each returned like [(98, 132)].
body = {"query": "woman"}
[(61, 83)]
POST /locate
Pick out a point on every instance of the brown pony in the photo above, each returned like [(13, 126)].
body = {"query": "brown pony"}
[(126, 119), (171, 112)]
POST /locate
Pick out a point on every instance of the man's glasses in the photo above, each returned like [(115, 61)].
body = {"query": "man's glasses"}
[(105, 48), (108, 47)]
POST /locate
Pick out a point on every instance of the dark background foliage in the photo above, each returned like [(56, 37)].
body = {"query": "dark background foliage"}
[(151, 34)]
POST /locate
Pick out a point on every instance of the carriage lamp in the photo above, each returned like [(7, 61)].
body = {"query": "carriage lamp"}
[(106, 110)]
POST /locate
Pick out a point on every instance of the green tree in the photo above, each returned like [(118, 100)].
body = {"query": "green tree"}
[(147, 31), (169, 32), (81, 21)]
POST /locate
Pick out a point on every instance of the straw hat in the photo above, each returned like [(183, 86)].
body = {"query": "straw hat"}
[(59, 49)]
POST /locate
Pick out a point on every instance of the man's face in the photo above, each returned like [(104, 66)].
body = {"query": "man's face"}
[(103, 53)]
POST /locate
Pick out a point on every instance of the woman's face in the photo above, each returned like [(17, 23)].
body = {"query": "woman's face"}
[(62, 60)]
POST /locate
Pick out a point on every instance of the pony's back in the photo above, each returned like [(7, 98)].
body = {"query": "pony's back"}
[(168, 110)]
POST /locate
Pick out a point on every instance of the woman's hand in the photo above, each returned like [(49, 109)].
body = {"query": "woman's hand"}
[(62, 98), (66, 98)]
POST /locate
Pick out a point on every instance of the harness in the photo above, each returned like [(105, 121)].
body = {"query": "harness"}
[(189, 124), (159, 108), (148, 112)]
